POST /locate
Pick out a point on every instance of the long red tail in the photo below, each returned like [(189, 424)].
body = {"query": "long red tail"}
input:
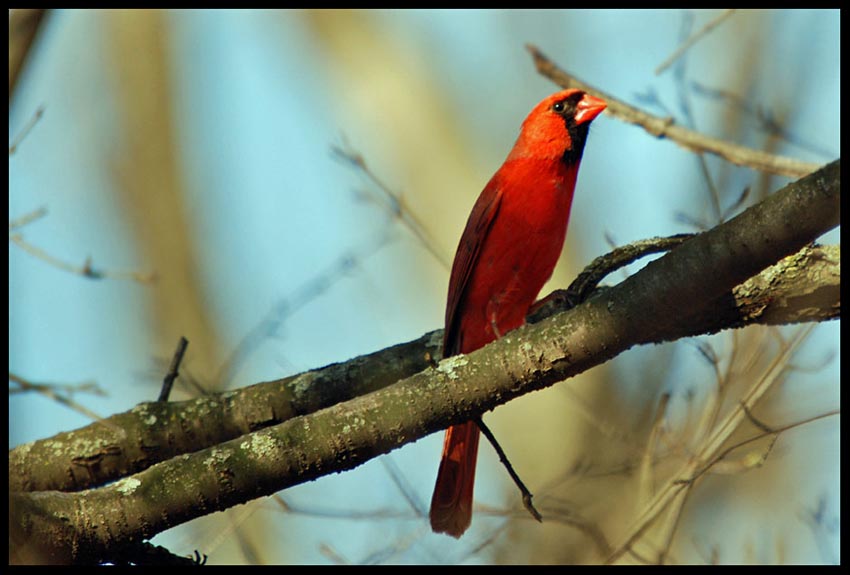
[(451, 505)]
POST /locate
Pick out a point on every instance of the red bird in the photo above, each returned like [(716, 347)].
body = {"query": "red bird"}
[(508, 250)]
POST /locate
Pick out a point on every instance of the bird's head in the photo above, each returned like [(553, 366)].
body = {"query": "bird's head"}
[(557, 127)]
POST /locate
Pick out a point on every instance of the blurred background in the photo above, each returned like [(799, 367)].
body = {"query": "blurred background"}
[(198, 146)]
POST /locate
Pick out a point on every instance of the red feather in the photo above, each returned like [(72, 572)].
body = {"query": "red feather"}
[(508, 250)]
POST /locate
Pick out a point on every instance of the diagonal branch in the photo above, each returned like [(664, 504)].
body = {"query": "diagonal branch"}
[(667, 128), (87, 270), (801, 287), (695, 37), (653, 305)]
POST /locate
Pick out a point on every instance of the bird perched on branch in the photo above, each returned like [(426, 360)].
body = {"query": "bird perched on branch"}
[(508, 250)]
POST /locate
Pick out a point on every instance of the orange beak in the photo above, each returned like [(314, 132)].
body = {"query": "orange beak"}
[(588, 108)]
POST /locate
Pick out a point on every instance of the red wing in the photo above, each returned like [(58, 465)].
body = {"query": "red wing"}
[(474, 235)]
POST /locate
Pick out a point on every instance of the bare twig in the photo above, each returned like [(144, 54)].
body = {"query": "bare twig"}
[(87, 270), (773, 433), (690, 122), (656, 433), (27, 218), (488, 541), (394, 203), (332, 554), (693, 40), (301, 296), (526, 494), (666, 127), (354, 515), (589, 528), (25, 131), (765, 118), (407, 491), (597, 270), (710, 452), (63, 397), (172, 374), (678, 513)]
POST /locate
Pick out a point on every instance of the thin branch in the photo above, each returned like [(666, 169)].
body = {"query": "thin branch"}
[(313, 288), (773, 433), (394, 203), (710, 452), (526, 494), (765, 118), (690, 122), (87, 270), (27, 218), (678, 513), (333, 555), (25, 131), (656, 432), (353, 515), (172, 374), (667, 128), (699, 34), (62, 397), (488, 541), (567, 516), (588, 280), (416, 504)]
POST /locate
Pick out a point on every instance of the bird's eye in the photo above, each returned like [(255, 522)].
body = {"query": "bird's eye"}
[(558, 107)]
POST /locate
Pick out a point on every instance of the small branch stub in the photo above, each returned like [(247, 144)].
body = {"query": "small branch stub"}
[(172, 374)]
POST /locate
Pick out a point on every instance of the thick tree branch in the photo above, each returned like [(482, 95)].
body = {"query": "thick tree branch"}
[(128, 442), (653, 305), (802, 287)]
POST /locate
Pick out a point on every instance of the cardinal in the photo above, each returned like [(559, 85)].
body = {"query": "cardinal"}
[(508, 250)]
